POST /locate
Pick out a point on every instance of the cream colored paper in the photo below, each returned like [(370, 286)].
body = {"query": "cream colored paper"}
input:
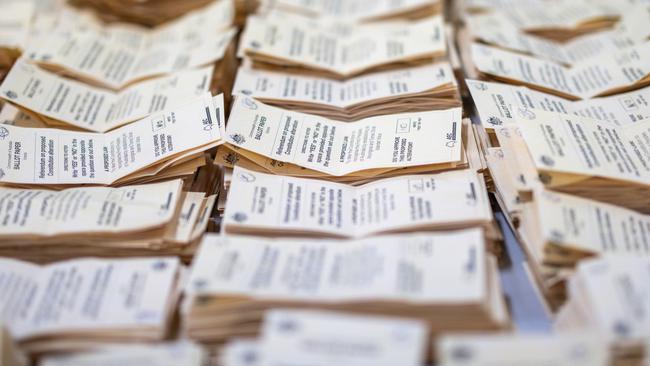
[(351, 10), (452, 268), (15, 20), (97, 294), (259, 201), (52, 156), (340, 148), (95, 109)]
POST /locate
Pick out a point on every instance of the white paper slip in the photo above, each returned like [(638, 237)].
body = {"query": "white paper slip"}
[(270, 203), (52, 156), (340, 148), (360, 48), (15, 19), (353, 10), (498, 104), (241, 352), (451, 268), (161, 354), (87, 210), (319, 338), (80, 105), (265, 85), (522, 350), (91, 295)]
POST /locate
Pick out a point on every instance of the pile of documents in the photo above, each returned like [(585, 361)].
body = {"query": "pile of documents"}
[(84, 303), (446, 280)]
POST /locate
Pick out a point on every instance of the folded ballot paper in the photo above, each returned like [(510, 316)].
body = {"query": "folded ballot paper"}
[(164, 145), (114, 56), (308, 47), (572, 349), (79, 304), (152, 219), (65, 103), (413, 89), (576, 155), (267, 204), (444, 279), (358, 10), (613, 73), (499, 104), (610, 297), (180, 353), (323, 338), (423, 141)]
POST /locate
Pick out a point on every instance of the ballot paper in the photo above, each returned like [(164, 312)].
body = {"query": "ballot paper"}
[(90, 296), (610, 297), (181, 353), (341, 54), (320, 338), (15, 20), (87, 210), (64, 102), (273, 204), (498, 104), (359, 10), (516, 350), (339, 148), (622, 71), (37, 156), (360, 97), (114, 57)]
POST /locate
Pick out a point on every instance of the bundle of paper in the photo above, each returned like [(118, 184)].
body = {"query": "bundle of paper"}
[(338, 51), (559, 20), (10, 355), (118, 55), (611, 297), (581, 156), (145, 12), (574, 349), (493, 29), (15, 20), (153, 219), (163, 146), (61, 102), (613, 73), (273, 205), (181, 353), (358, 10), (444, 279), (499, 104), (84, 303), (323, 338), (412, 89), (307, 145)]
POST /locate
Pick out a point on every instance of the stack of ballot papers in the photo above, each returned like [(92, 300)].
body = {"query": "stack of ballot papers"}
[(611, 297), (273, 205), (60, 102), (154, 219), (558, 20), (267, 138), (303, 46), (446, 280), (10, 354), (15, 20), (114, 56), (145, 12), (180, 353), (84, 303), (500, 104), (165, 145), (357, 10), (615, 72), (572, 349), (323, 338), (581, 156), (411, 89)]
